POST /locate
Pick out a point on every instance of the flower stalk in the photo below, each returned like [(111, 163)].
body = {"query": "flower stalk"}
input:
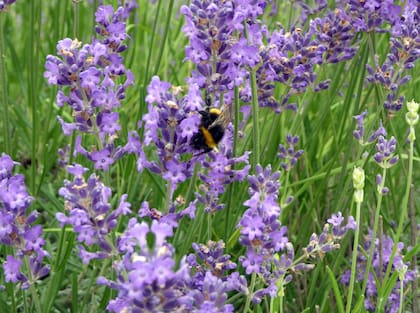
[(4, 96), (358, 184)]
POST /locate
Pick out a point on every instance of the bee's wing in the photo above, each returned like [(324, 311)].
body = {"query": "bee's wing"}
[(225, 117)]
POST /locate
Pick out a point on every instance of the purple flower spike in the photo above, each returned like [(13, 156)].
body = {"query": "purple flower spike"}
[(360, 129), (169, 125), (88, 77), (287, 154), (404, 52), (381, 257), (211, 281), (218, 173), (16, 229), (261, 232), (214, 45), (385, 150), (146, 278), (327, 241), (89, 212)]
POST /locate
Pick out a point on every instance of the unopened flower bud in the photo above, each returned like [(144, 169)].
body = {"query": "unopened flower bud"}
[(413, 106), (358, 178), (412, 118)]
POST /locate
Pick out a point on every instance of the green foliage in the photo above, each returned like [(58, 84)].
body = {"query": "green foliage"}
[(321, 183)]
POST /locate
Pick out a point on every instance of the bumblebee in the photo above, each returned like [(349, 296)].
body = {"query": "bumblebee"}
[(212, 128)]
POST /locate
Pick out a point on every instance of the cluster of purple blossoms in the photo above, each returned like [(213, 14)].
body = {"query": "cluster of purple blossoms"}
[(210, 282), (380, 262), (268, 250), (218, 171), (287, 154), (385, 158), (290, 58), (217, 46), (328, 239), (169, 125), (90, 213), (260, 229), (96, 79), (368, 16), (359, 132), (5, 3), (148, 279), (385, 148), (335, 33), (16, 229), (404, 45)]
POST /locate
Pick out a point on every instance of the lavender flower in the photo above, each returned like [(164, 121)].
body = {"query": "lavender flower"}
[(5, 3), (169, 126), (404, 45), (359, 132), (146, 279), (289, 58), (261, 232), (218, 171), (264, 237), (380, 260), (214, 46), (370, 16), (288, 155), (335, 32), (210, 283), (328, 239), (385, 149), (16, 229), (90, 212), (391, 77), (87, 76)]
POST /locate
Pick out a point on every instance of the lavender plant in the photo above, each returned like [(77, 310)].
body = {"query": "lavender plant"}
[(91, 72), (132, 217), (24, 265)]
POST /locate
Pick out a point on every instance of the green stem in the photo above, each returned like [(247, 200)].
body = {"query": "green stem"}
[(164, 36), (354, 259), (255, 128), (209, 222), (4, 96), (168, 196), (404, 209), (235, 142), (34, 294), (402, 295), (250, 292), (76, 19), (32, 86), (255, 110), (152, 41), (375, 230)]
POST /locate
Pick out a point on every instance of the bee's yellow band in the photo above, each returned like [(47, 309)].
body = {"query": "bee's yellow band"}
[(208, 138), (215, 111)]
